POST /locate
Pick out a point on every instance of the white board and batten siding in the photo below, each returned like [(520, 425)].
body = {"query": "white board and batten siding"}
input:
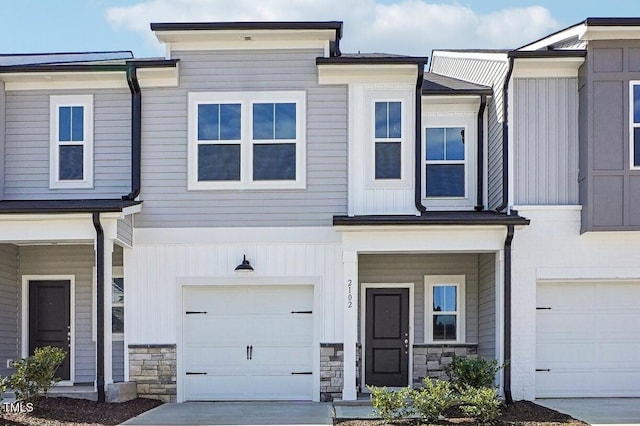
[(545, 141), (368, 196), (587, 339), (157, 273), (26, 158), (168, 203)]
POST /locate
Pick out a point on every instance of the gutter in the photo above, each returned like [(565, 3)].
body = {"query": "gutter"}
[(480, 176), (505, 138), (99, 306), (418, 141), (507, 315), (136, 131)]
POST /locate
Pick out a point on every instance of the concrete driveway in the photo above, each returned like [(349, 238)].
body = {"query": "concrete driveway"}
[(598, 411), (237, 413)]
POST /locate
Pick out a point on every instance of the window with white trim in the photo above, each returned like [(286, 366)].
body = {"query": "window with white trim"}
[(117, 306), (247, 140), (71, 141), (445, 169), (388, 140), (634, 131), (444, 306)]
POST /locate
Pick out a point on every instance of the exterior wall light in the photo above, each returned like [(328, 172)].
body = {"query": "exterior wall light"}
[(245, 265)]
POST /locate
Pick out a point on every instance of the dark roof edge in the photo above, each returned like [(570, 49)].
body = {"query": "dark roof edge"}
[(474, 92), (64, 206), (159, 63), (426, 221), (65, 53), (613, 22), (541, 54), (344, 60), (275, 25), (550, 35), (155, 63)]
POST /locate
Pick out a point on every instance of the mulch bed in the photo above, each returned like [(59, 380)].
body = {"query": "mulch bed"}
[(80, 412), (523, 413)]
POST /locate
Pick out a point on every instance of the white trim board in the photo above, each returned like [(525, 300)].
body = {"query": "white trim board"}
[(72, 311), (363, 316)]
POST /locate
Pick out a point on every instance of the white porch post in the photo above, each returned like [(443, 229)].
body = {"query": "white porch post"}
[(108, 278), (350, 260), (499, 318)]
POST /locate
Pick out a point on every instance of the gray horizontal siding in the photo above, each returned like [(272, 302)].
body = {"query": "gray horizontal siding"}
[(125, 230), (2, 138), (8, 306), (494, 159), (77, 260), (545, 128), (26, 158), (487, 306), (117, 361), (411, 268), (164, 166)]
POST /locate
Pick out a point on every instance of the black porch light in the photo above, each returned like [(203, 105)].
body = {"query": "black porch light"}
[(245, 265)]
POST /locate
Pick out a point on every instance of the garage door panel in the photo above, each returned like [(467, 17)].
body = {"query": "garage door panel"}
[(216, 343), (206, 329), (563, 325), (588, 350), (226, 300), (281, 330)]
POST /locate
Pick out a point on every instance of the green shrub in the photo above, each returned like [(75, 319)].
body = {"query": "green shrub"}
[(3, 387), (480, 403), (474, 372), (389, 404), (36, 374), (432, 400)]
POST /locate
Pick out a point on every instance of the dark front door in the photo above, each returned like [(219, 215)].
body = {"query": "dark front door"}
[(50, 319), (387, 337)]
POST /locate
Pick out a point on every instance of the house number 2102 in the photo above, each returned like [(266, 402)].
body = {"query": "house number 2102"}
[(349, 295)]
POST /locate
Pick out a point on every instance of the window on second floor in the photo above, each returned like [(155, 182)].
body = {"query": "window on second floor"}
[(247, 140), (635, 124), (71, 142), (445, 162), (388, 140)]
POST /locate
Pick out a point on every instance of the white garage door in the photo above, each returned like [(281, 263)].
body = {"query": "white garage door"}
[(588, 339), (248, 343)]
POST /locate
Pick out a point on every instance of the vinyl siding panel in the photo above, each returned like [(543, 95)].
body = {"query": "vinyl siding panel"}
[(545, 126), (487, 306), (8, 306), (117, 361), (489, 73), (27, 145), (411, 268), (2, 139), (77, 260), (168, 203), (125, 230), (156, 272)]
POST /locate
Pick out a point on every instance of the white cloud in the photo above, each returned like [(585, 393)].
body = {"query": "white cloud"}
[(412, 27)]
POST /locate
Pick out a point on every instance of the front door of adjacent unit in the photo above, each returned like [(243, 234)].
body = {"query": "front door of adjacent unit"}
[(248, 342), (387, 337), (50, 319)]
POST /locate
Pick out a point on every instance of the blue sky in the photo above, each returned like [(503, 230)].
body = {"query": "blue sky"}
[(395, 26)]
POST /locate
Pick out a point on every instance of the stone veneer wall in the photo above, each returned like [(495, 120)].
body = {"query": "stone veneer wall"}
[(153, 368), (430, 360), (331, 369)]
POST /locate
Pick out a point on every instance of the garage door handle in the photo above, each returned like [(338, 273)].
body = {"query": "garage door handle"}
[(301, 312), (192, 373), (195, 312), (543, 369), (249, 352), (544, 309), (301, 373)]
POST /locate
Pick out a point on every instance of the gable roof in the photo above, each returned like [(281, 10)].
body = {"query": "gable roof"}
[(436, 84)]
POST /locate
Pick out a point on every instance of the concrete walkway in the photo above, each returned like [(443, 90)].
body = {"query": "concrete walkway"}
[(237, 413), (598, 411)]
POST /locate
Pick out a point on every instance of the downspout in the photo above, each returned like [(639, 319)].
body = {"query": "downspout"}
[(418, 142), (507, 315), (480, 176), (505, 139), (136, 131), (99, 306)]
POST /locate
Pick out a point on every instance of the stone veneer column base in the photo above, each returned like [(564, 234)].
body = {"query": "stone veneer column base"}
[(331, 370), (153, 368), (430, 360)]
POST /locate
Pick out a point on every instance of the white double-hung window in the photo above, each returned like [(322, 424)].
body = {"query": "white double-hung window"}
[(247, 140), (71, 141)]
